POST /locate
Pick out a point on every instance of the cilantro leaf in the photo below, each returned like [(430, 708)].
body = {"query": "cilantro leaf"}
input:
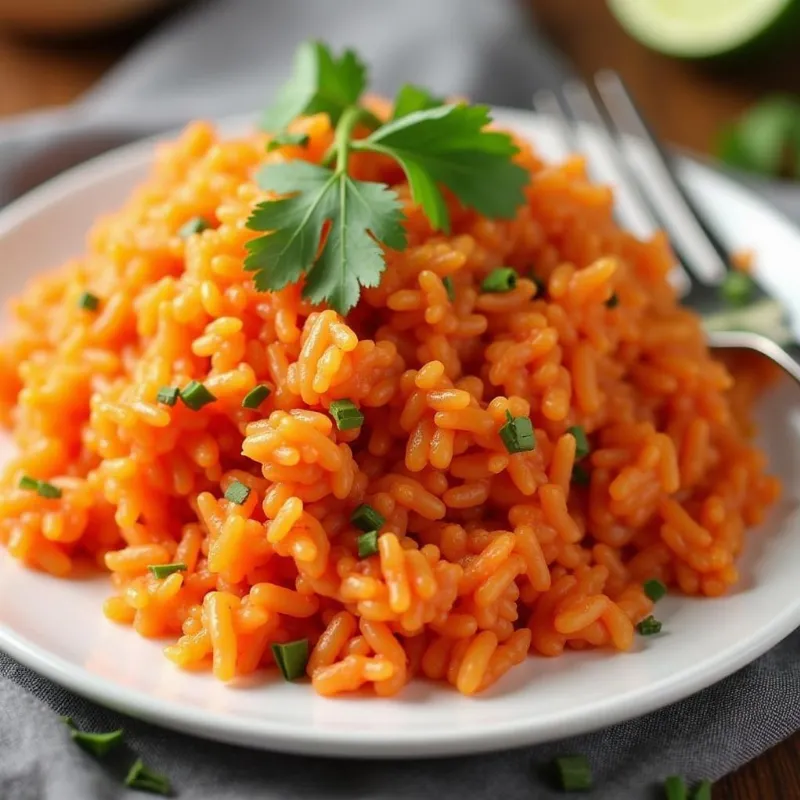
[(284, 138), (412, 98), (447, 145), (320, 83), (361, 215)]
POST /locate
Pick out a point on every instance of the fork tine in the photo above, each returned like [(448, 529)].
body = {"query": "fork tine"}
[(635, 207), (702, 248), (547, 104), (632, 207)]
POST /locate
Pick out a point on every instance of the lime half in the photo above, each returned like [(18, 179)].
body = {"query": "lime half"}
[(706, 28)]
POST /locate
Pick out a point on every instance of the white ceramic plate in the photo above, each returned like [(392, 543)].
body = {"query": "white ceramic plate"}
[(57, 628)]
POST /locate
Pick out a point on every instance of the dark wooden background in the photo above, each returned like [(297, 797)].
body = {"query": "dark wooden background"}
[(685, 102)]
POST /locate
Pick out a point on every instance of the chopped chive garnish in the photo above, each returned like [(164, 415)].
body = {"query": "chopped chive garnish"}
[(649, 626), (42, 488), (46, 489), (613, 301), (195, 395), (737, 288), (237, 493), (654, 589), (502, 279), (346, 415), (168, 395), (282, 139), (368, 544), (88, 301), (517, 434), (165, 570), (575, 773), (256, 396), (193, 226), (675, 788), (582, 447), (291, 658), (98, 744), (144, 779), (366, 518), (449, 288), (703, 791), (67, 721), (26, 482), (580, 475)]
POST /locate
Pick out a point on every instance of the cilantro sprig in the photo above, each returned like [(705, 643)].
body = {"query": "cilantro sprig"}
[(329, 229)]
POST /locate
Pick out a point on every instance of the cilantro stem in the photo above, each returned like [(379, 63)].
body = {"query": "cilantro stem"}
[(343, 137)]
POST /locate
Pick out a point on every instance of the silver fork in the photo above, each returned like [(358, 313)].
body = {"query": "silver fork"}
[(631, 151)]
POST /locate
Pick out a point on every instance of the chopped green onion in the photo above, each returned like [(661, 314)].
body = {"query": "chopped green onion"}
[(195, 395), (649, 626), (42, 488), (675, 788), (517, 434), (366, 518), (737, 288), (654, 589), (256, 396), (368, 544), (500, 280), (237, 493), (286, 138), (580, 475), (703, 791), (582, 447), (98, 744), (88, 301), (193, 226), (291, 658), (67, 721), (449, 288), (613, 301), (144, 779), (575, 773), (346, 415), (26, 482), (46, 489), (165, 570), (168, 395)]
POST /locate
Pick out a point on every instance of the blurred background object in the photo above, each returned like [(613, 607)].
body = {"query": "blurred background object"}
[(69, 17), (689, 102), (706, 29)]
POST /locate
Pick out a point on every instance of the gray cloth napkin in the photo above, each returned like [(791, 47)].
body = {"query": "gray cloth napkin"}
[(226, 57)]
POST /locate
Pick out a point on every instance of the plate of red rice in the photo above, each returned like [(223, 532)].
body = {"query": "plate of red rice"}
[(452, 519)]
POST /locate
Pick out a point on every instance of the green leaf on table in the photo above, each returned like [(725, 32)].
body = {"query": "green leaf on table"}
[(766, 140), (448, 146), (361, 216), (412, 98), (729, 149), (320, 83)]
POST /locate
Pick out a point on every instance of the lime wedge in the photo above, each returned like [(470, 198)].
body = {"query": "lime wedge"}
[(706, 28)]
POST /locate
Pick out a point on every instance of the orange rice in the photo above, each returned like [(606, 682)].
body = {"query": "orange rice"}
[(485, 556)]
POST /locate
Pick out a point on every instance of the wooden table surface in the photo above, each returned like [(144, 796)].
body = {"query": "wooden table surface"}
[(685, 102)]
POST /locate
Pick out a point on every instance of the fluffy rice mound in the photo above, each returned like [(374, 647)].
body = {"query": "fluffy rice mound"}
[(485, 555)]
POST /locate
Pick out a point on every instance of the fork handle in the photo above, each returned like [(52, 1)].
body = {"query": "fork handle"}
[(786, 356)]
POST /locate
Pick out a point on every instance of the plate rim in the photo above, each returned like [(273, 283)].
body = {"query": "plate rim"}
[(367, 744)]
